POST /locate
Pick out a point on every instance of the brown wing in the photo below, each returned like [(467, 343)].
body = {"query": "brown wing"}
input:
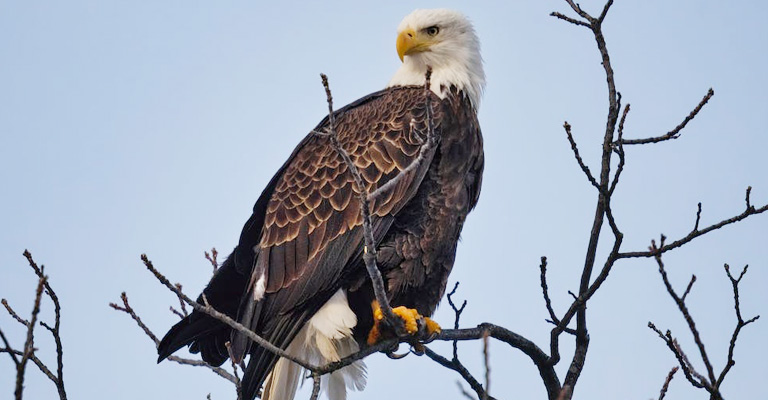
[(310, 228), (315, 200)]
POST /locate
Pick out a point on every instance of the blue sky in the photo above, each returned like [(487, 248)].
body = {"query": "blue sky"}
[(152, 127)]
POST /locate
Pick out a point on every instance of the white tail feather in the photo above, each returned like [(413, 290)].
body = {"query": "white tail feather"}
[(325, 338)]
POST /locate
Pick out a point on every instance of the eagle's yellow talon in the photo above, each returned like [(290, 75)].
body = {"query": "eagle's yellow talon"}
[(412, 321), (409, 317), (433, 328)]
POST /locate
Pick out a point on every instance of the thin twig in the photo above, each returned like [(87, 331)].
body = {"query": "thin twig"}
[(619, 149), (569, 19), (674, 133), (457, 366), (207, 309), (741, 323), (547, 301), (126, 308), (463, 391), (690, 374), (457, 312), (10, 350), (369, 255), (212, 258), (487, 364), (29, 344), (686, 314), (694, 234), (55, 330), (665, 387), (13, 313), (579, 160)]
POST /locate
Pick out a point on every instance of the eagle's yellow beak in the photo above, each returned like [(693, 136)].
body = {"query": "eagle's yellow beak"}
[(409, 42)]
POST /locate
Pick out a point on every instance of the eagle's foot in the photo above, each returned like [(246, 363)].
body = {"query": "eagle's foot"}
[(421, 329)]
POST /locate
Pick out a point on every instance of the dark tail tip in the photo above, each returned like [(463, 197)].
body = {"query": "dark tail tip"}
[(175, 339)]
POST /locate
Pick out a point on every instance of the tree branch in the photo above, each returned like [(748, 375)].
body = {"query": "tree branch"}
[(711, 384), (674, 133), (29, 344), (667, 381), (696, 232), (369, 255)]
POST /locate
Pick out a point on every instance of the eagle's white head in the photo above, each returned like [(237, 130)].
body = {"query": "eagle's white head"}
[(446, 41)]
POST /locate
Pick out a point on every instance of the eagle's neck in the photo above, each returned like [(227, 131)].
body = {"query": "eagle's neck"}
[(464, 71)]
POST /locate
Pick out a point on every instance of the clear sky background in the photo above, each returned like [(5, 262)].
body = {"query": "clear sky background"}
[(152, 127)]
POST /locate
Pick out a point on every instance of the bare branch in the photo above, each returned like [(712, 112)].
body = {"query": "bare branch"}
[(619, 149), (674, 133), (463, 392), (711, 384), (569, 19), (126, 308), (13, 314), (547, 301), (586, 287), (457, 311), (457, 366), (665, 387), (487, 363), (691, 375), (9, 349), (212, 259), (605, 11), (29, 344), (56, 325), (183, 305), (741, 323), (687, 315), (207, 309), (369, 255), (688, 289), (694, 234), (579, 160)]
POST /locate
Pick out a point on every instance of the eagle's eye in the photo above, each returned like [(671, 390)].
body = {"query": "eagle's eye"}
[(432, 30)]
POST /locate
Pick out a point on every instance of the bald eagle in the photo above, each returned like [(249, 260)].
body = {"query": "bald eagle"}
[(297, 277)]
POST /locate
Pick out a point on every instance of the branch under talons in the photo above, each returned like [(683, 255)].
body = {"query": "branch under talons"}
[(674, 133)]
